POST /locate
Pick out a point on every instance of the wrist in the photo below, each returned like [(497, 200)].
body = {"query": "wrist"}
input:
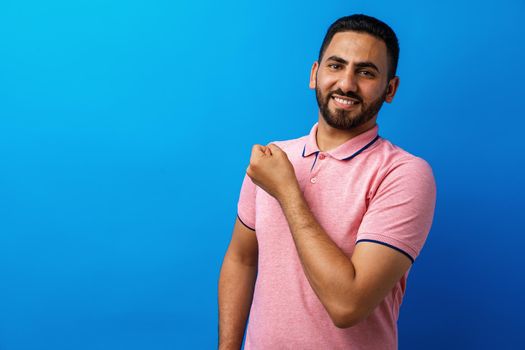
[(292, 194)]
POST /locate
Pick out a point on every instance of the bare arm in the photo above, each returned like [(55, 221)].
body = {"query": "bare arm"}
[(348, 287), (236, 284)]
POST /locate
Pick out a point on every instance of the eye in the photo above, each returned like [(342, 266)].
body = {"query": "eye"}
[(366, 74), (334, 66)]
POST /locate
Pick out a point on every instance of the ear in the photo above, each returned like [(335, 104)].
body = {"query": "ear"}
[(313, 75), (391, 89)]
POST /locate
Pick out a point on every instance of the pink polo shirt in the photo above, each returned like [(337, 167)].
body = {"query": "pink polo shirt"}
[(367, 189)]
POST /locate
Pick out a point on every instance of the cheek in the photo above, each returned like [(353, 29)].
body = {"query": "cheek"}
[(372, 91), (326, 81)]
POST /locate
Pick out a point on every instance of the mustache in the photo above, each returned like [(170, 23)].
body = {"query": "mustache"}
[(349, 94)]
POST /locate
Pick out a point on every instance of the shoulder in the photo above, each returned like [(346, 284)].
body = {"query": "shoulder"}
[(293, 146), (402, 169), (392, 157)]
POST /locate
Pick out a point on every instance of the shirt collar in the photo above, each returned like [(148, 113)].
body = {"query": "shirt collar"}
[(345, 151)]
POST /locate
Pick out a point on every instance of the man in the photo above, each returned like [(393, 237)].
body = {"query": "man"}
[(329, 224)]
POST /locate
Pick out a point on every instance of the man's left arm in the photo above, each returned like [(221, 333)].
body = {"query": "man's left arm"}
[(348, 287)]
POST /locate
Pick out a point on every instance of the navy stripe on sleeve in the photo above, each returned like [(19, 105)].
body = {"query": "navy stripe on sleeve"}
[(388, 245), (242, 222)]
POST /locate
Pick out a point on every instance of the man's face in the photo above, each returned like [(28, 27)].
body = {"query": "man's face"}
[(351, 81)]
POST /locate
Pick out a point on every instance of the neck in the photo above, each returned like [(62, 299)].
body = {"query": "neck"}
[(329, 137)]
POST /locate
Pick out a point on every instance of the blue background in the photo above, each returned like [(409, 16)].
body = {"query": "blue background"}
[(126, 128)]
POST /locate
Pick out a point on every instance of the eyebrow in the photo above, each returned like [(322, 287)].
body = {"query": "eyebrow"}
[(365, 64), (337, 59)]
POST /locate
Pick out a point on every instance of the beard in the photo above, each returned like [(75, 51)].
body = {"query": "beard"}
[(343, 120)]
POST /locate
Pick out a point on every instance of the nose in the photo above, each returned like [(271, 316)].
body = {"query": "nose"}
[(348, 82)]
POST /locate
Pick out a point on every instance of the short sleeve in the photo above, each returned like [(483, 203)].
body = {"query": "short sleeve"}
[(246, 204), (401, 211)]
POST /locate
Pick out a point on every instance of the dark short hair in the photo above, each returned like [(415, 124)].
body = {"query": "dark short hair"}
[(365, 24)]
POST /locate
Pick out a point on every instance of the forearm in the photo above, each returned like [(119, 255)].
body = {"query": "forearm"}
[(236, 284), (329, 271)]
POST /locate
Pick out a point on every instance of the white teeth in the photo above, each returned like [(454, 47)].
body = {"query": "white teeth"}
[(346, 102)]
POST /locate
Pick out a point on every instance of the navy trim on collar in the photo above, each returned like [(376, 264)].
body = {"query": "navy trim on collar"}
[(315, 160), (347, 158), (304, 149), (362, 149)]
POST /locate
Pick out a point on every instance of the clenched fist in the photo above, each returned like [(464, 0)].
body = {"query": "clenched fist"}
[(271, 170)]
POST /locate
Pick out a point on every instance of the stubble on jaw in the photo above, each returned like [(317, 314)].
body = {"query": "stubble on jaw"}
[(341, 119)]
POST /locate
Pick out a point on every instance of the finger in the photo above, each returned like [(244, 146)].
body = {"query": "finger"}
[(258, 147), (258, 150), (274, 147)]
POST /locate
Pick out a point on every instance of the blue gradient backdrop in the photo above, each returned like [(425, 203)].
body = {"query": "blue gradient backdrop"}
[(126, 128)]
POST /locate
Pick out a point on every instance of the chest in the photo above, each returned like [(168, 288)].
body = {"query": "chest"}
[(337, 194)]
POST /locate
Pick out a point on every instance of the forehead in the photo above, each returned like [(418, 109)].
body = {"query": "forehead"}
[(357, 47)]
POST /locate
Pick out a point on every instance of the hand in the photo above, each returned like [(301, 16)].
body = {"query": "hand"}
[(271, 170)]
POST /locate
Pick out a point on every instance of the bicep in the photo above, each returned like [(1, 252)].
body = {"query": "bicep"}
[(392, 233), (243, 245), (377, 269)]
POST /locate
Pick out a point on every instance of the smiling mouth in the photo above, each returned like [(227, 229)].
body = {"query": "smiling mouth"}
[(345, 102)]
